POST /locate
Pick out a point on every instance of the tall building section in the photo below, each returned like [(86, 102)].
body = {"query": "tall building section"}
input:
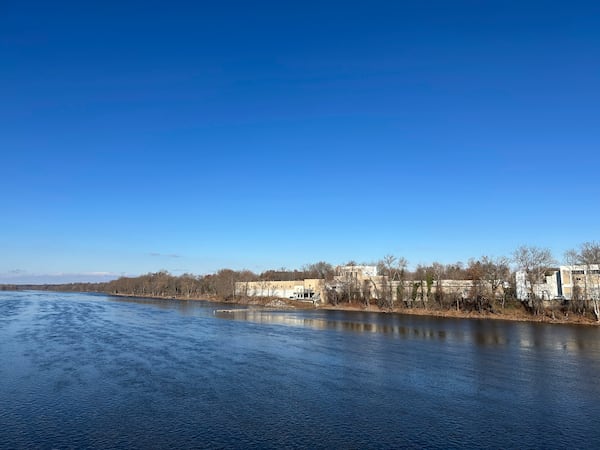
[(564, 282)]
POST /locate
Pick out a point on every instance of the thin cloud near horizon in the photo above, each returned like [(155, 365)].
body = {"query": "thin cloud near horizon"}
[(165, 255)]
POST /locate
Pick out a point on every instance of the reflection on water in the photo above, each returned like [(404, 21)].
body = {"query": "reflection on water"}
[(320, 323), (90, 371), (480, 332)]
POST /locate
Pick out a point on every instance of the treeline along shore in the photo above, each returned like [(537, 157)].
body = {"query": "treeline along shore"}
[(485, 287)]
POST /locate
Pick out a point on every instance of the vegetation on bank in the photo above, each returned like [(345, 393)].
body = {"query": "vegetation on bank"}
[(492, 292)]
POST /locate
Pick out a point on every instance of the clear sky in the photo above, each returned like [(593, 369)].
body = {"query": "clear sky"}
[(191, 136)]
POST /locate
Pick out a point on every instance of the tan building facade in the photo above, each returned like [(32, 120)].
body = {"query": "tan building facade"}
[(308, 289), (565, 282), (580, 281), (362, 279)]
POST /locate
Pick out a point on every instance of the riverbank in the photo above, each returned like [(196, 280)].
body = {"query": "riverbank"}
[(507, 315), (510, 314)]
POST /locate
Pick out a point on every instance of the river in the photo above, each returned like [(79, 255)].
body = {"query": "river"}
[(90, 371)]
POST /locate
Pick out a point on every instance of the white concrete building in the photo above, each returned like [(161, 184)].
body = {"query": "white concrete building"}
[(564, 282), (358, 273)]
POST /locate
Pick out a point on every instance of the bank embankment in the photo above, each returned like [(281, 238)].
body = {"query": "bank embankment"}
[(511, 314)]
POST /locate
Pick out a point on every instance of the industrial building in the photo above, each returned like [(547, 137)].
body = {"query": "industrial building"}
[(562, 283)]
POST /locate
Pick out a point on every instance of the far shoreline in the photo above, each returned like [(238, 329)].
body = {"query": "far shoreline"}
[(282, 304)]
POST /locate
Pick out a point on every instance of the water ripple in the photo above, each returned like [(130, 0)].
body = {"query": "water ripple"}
[(85, 371)]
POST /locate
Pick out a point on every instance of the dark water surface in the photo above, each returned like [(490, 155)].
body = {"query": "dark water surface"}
[(80, 371)]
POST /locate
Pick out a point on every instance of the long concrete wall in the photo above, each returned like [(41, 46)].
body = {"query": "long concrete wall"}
[(378, 286), (299, 289)]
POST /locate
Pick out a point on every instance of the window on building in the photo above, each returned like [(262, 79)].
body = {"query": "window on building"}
[(577, 272)]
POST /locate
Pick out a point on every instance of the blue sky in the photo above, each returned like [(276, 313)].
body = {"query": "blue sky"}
[(191, 136)]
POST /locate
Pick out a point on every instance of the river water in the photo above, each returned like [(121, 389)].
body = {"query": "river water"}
[(81, 371)]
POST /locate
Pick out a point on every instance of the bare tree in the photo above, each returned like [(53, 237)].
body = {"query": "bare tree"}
[(477, 292), (366, 293), (245, 277), (577, 300), (394, 269), (319, 269), (496, 272), (225, 283), (456, 271), (332, 296), (590, 252), (534, 261), (589, 256), (188, 284), (438, 271)]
